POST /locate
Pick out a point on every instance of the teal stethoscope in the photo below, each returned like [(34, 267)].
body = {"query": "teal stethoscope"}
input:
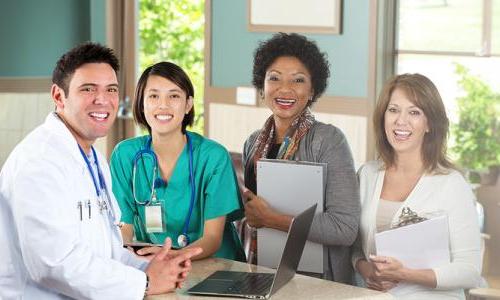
[(183, 238)]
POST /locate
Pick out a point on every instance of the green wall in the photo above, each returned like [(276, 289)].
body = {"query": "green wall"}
[(233, 45), (34, 34)]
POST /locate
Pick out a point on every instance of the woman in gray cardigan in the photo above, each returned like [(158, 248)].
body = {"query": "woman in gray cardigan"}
[(290, 74)]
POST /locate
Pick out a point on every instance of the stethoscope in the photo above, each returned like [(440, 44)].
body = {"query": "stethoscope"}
[(101, 190), (182, 239)]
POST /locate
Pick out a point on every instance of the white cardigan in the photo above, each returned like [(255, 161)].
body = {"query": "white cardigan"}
[(449, 193)]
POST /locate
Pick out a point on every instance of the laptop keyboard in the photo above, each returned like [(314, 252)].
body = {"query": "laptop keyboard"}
[(252, 283)]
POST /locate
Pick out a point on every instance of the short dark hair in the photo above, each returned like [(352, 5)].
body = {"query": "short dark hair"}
[(295, 45), (85, 53), (171, 72), (423, 93)]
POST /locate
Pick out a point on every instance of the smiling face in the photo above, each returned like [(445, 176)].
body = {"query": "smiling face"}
[(90, 107), (165, 105), (405, 124), (287, 88)]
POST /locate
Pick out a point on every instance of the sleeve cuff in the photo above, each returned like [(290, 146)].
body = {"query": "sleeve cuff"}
[(356, 256), (138, 279)]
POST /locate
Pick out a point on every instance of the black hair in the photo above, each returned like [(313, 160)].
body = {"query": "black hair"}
[(87, 52), (295, 45), (171, 72)]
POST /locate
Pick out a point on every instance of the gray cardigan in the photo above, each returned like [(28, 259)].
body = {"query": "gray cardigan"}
[(337, 227)]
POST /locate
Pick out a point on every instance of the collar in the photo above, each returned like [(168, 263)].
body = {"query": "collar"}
[(56, 126)]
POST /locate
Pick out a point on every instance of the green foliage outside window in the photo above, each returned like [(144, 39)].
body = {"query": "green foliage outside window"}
[(477, 133), (174, 31)]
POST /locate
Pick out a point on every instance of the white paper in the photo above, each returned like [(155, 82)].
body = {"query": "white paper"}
[(422, 245), (289, 187)]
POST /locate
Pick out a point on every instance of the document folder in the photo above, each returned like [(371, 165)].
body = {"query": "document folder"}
[(290, 187)]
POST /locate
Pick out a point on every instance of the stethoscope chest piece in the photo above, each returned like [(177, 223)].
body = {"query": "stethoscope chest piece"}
[(182, 240)]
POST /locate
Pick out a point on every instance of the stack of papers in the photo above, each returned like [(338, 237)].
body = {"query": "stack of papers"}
[(423, 245)]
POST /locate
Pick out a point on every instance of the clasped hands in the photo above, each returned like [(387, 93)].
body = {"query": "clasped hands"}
[(381, 273), (168, 269)]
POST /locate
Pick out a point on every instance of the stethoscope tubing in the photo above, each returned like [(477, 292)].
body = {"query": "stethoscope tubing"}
[(149, 151)]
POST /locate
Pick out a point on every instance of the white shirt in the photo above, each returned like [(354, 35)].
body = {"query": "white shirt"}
[(385, 213), (48, 251)]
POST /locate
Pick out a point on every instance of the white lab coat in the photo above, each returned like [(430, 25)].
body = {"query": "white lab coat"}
[(46, 251)]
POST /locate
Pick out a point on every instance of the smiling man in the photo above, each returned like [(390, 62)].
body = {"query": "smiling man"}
[(58, 217)]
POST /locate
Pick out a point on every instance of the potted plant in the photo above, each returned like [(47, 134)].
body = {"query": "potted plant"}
[(477, 133)]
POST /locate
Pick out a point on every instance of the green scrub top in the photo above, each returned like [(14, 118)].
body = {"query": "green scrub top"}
[(217, 192)]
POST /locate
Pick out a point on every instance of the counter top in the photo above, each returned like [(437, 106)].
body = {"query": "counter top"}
[(300, 287)]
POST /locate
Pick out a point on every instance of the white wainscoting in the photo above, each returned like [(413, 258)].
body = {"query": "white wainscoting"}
[(230, 125), (20, 114)]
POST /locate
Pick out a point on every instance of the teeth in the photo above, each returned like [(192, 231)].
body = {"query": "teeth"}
[(97, 115), (164, 117), (402, 132), (285, 101)]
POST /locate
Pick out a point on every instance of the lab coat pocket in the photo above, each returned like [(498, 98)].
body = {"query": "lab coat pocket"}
[(84, 216)]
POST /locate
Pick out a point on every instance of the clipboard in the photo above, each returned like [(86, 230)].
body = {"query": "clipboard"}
[(423, 245), (290, 187)]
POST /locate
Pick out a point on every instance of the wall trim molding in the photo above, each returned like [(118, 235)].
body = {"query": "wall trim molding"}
[(326, 104), (25, 84)]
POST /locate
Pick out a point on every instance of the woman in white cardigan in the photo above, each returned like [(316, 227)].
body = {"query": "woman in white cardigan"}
[(411, 128)]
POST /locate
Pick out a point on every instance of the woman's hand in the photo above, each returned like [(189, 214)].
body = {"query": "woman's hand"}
[(367, 270), (257, 211), (149, 252), (259, 214), (387, 268)]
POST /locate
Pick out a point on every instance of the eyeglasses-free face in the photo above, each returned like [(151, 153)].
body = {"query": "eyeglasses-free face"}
[(287, 88), (405, 124), (165, 105)]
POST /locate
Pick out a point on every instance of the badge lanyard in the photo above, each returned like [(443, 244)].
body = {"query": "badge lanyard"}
[(182, 239)]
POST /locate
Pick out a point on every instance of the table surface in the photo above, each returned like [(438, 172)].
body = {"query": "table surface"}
[(299, 287)]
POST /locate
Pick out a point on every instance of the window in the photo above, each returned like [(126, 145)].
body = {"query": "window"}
[(174, 31), (432, 36)]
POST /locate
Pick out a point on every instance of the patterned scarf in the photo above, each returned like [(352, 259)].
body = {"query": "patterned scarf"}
[(294, 134)]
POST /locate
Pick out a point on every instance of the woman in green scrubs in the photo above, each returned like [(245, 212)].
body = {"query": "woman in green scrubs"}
[(172, 182)]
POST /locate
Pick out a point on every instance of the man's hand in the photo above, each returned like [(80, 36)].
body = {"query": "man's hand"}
[(167, 272)]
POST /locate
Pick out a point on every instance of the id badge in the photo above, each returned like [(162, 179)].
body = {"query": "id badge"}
[(155, 220)]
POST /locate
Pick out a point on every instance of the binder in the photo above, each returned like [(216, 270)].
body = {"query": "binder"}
[(290, 187)]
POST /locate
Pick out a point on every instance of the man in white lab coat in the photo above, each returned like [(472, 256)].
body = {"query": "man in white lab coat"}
[(59, 232)]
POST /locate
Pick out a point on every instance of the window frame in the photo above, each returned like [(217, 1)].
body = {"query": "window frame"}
[(486, 37)]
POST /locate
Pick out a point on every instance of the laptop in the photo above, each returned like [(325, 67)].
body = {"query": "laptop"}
[(261, 285)]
